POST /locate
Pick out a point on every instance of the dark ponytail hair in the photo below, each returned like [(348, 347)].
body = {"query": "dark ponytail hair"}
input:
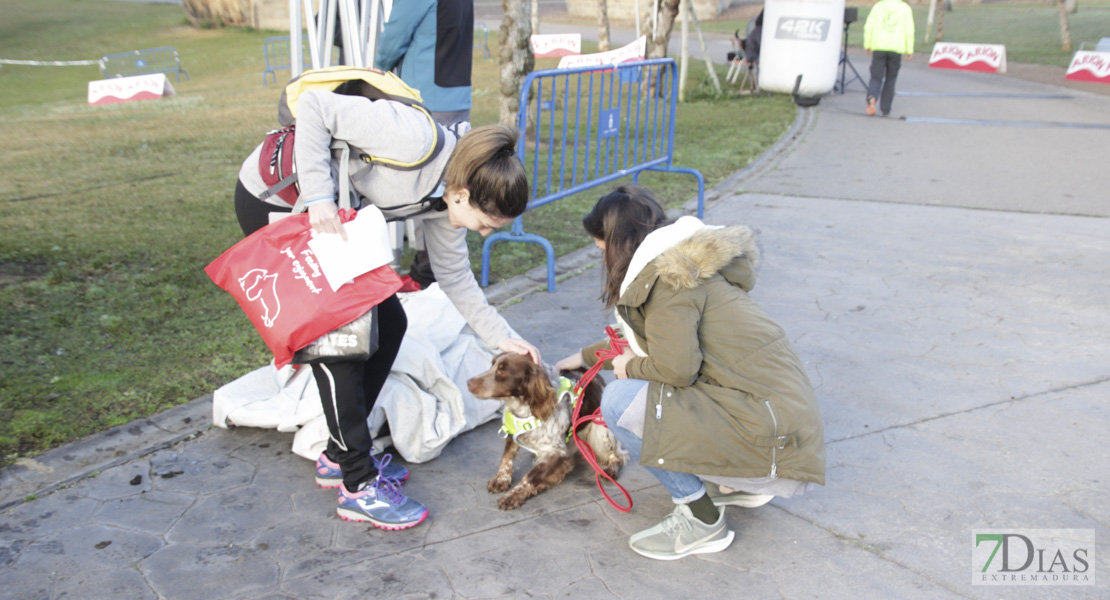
[(485, 163), (622, 219)]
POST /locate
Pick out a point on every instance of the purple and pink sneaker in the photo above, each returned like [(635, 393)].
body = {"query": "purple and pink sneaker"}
[(330, 476), (380, 502)]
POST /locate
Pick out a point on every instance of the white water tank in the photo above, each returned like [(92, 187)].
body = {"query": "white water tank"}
[(801, 38)]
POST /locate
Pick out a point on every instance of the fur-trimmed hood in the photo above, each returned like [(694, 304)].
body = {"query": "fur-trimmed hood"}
[(732, 251), (682, 256)]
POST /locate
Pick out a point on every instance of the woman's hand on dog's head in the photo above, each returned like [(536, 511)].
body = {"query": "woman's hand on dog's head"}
[(520, 346)]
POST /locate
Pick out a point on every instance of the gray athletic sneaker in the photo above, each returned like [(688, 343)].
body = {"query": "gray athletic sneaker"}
[(736, 498), (681, 534)]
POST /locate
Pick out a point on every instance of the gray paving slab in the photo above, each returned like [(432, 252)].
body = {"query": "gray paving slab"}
[(957, 340)]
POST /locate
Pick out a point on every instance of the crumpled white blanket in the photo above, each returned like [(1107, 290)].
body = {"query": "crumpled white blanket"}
[(425, 399)]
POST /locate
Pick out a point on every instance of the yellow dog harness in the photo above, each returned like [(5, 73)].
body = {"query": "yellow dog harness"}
[(513, 426)]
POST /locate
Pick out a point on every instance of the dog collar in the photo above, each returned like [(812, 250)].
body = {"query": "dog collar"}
[(511, 425)]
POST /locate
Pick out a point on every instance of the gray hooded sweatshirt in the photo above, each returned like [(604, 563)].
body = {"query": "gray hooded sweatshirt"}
[(392, 130)]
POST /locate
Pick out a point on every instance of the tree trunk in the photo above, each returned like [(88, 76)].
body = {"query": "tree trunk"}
[(929, 21), (1073, 6), (603, 26), (535, 16), (657, 43), (1065, 27), (516, 58), (940, 24)]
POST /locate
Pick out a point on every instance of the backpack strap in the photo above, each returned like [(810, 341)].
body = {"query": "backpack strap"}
[(344, 177), (277, 187)]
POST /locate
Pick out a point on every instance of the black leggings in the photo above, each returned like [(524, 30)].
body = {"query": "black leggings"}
[(253, 214), (348, 389)]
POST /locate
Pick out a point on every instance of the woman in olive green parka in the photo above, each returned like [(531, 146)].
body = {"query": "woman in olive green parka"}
[(710, 386)]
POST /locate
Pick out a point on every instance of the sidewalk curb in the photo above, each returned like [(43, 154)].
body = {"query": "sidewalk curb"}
[(63, 466)]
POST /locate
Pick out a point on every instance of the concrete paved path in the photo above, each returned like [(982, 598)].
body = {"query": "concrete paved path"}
[(945, 283)]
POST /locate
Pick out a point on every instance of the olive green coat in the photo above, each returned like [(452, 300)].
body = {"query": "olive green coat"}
[(728, 395)]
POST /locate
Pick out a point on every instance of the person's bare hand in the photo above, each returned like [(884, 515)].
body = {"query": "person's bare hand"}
[(620, 363), (570, 363), (520, 346), (324, 218)]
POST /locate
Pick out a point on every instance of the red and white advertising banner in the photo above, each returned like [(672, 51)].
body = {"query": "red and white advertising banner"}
[(556, 44), (633, 51), (1089, 66), (984, 58), (126, 89)]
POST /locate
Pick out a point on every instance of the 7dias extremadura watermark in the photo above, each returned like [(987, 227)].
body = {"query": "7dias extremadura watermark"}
[(1033, 557)]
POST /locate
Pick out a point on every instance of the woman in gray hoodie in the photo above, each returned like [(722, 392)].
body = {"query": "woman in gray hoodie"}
[(474, 182)]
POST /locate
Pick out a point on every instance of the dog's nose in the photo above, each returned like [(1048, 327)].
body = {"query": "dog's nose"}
[(472, 385)]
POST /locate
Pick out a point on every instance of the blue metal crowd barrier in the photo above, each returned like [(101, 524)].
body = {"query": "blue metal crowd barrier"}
[(615, 120), (481, 38), (142, 62), (276, 50), (278, 55)]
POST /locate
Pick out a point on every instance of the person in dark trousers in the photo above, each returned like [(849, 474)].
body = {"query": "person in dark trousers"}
[(887, 35), (429, 44), (476, 182), (753, 39)]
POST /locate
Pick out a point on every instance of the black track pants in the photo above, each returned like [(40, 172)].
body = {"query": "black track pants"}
[(349, 390)]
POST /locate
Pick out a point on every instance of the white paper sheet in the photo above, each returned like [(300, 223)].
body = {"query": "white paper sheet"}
[(367, 248)]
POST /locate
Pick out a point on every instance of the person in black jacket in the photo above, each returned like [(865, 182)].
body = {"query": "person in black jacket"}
[(754, 39)]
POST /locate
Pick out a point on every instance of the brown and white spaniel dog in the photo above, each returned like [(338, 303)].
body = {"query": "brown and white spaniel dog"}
[(527, 391)]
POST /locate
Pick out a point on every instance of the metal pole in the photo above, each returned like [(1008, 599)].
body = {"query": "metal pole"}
[(705, 51), (352, 43), (684, 63), (379, 13), (364, 19), (638, 32), (360, 21), (296, 55), (325, 34)]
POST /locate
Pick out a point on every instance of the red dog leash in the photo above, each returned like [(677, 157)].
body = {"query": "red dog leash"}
[(615, 349)]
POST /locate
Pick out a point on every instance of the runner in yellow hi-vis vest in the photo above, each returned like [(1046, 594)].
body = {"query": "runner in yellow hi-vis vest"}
[(887, 35)]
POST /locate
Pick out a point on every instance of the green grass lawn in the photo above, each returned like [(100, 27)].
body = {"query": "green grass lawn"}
[(109, 214), (1030, 32)]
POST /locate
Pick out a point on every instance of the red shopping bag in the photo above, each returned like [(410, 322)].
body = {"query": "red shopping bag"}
[(274, 277)]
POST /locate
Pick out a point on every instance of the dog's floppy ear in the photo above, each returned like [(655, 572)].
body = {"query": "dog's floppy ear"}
[(539, 392)]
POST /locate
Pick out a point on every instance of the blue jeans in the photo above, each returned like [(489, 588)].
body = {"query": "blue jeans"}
[(618, 395)]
